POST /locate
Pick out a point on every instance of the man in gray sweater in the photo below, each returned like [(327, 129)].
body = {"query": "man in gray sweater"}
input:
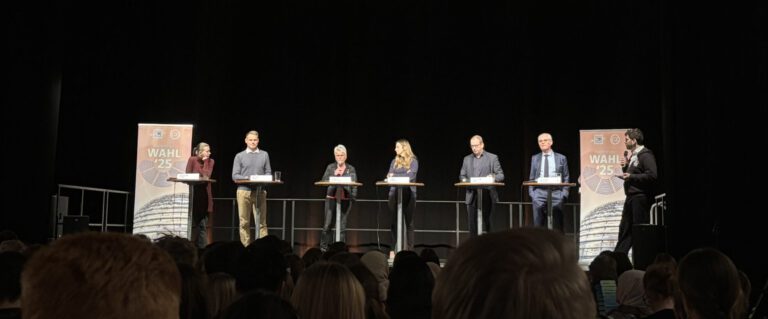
[(251, 161)]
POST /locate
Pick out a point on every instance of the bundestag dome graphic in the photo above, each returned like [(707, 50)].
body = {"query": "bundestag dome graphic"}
[(598, 230), (165, 215)]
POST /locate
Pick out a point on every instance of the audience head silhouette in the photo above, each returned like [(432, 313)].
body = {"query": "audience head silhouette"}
[(101, 275), (710, 285), (521, 273), (329, 290)]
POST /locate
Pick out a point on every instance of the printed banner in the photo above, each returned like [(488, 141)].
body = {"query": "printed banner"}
[(160, 207), (602, 192)]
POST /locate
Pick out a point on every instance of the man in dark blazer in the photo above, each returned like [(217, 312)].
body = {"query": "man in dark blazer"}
[(478, 164), (639, 167), (548, 164)]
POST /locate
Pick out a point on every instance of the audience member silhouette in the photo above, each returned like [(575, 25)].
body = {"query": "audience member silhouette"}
[(329, 290), (11, 264), (410, 287), (221, 292), (194, 303), (710, 286), (630, 295), (520, 273), (429, 255), (311, 256), (377, 263), (260, 304), (260, 267), (374, 307), (100, 275), (660, 289), (181, 249)]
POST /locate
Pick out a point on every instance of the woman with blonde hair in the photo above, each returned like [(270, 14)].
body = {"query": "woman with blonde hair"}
[(404, 164), (201, 163), (329, 291)]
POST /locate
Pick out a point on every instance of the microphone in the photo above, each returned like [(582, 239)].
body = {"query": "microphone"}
[(626, 153)]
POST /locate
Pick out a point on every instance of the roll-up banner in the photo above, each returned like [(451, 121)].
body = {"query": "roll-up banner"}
[(602, 192), (160, 206)]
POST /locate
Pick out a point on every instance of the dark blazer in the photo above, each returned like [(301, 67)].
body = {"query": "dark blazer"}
[(494, 167), (561, 164), (349, 171), (642, 173)]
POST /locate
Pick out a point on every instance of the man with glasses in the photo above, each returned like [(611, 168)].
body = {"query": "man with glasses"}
[(547, 163), (478, 164)]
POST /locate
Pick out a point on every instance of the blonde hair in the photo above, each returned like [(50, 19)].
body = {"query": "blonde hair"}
[(404, 159), (109, 275), (329, 290), (254, 132), (200, 146)]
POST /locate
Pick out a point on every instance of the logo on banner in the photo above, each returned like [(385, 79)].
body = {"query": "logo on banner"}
[(162, 158)]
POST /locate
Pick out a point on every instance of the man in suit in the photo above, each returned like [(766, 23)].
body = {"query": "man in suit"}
[(480, 163), (548, 164), (639, 167)]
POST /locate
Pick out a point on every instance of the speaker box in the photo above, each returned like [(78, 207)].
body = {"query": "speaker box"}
[(74, 224), (647, 242)]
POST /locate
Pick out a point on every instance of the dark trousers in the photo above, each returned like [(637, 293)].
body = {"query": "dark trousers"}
[(540, 209), (200, 217), (330, 221), (636, 211), (409, 204), (488, 207)]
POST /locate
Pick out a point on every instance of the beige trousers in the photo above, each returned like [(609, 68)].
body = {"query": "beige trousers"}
[(246, 204)]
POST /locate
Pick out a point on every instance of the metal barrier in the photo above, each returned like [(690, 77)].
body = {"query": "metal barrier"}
[(288, 231), (658, 208), (104, 211), (515, 210)]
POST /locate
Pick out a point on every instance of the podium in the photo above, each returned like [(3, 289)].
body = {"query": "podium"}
[(549, 187), (400, 242), (190, 207), (259, 187), (479, 187), (339, 191)]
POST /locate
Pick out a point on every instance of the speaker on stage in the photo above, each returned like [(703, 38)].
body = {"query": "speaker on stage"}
[(647, 242), (74, 224)]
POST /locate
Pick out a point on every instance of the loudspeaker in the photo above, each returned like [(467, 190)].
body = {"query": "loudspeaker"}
[(74, 224), (647, 242)]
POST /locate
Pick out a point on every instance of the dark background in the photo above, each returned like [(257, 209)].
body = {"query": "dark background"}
[(308, 75)]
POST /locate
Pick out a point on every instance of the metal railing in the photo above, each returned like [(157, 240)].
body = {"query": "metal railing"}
[(288, 229), (658, 209), (104, 223)]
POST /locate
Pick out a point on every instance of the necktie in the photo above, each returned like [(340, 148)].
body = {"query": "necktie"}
[(546, 165)]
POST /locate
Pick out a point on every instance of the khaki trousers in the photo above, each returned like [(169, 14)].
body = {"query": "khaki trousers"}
[(246, 205)]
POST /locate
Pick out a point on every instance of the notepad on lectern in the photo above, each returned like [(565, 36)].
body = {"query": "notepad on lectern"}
[(340, 179), (481, 179), (398, 179), (188, 176), (260, 178), (549, 180)]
